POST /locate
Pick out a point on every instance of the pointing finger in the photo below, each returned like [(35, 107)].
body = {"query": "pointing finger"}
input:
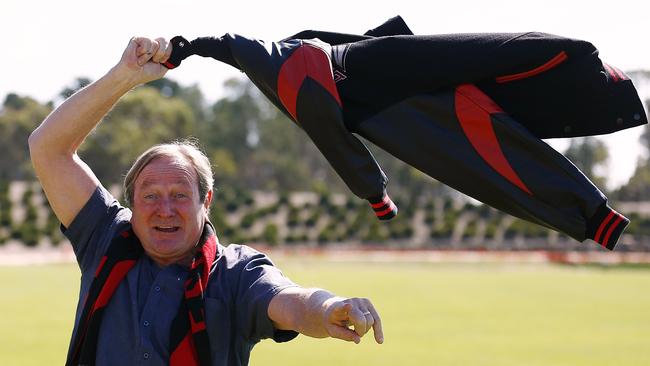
[(376, 326)]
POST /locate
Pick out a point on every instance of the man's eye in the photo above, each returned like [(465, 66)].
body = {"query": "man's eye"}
[(181, 195), (149, 196)]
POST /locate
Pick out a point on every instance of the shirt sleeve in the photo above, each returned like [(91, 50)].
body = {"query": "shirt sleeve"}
[(259, 281), (92, 229)]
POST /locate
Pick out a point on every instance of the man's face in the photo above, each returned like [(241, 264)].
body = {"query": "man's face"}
[(168, 215)]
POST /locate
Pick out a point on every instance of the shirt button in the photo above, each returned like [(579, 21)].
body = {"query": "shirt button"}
[(146, 355), (146, 323), (157, 288)]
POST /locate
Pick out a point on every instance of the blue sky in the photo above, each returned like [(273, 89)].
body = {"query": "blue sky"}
[(48, 44)]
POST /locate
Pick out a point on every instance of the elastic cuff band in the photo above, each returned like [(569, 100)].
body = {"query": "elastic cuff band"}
[(181, 49), (606, 226), (383, 206)]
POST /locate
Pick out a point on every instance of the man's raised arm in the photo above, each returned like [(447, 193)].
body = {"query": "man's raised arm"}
[(67, 181)]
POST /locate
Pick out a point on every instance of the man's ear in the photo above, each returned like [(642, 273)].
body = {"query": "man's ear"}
[(208, 200)]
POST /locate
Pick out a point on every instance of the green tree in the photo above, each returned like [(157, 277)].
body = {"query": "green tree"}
[(77, 84), (19, 116), (638, 186), (142, 118), (589, 153)]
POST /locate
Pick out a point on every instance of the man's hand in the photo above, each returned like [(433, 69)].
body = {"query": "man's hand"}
[(356, 313), (320, 314), (142, 60)]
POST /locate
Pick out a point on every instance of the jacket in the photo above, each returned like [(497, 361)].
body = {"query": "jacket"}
[(469, 110)]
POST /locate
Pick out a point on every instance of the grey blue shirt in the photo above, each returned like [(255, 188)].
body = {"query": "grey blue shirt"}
[(136, 323)]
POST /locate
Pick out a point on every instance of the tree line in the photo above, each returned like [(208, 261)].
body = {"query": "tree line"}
[(252, 145)]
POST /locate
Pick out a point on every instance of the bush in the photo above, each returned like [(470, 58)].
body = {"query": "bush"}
[(52, 226), (270, 234), (326, 235), (28, 233), (399, 228), (351, 203), (5, 214), (491, 230), (441, 232), (283, 199), (293, 216), (27, 196), (314, 217), (248, 220), (232, 206), (375, 233), (429, 217)]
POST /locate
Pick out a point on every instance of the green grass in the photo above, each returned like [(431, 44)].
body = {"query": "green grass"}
[(432, 314)]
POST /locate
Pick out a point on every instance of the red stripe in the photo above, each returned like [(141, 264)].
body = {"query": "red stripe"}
[(611, 72), (384, 201), (558, 59), (196, 291), (197, 326), (306, 61), (117, 274), (474, 110), (619, 218), (169, 65), (209, 250), (101, 264), (620, 73), (185, 354), (386, 211), (602, 226)]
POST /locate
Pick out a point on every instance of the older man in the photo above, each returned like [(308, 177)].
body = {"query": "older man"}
[(156, 286)]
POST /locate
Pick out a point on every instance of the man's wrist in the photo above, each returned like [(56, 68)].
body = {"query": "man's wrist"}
[(122, 80)]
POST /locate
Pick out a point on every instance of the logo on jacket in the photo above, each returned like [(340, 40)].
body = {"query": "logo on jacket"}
[(339, 76), (339, 54)]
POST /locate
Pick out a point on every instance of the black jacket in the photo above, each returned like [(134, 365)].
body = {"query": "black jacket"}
[(467, 109)]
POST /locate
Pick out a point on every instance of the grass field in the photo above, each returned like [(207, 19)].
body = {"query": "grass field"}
[(448, 314)]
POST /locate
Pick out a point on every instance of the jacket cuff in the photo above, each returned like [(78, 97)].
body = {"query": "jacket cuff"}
[(181, 49), (606, 226), (383, 206)]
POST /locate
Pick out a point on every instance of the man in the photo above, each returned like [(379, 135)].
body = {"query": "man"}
[(156, 286)]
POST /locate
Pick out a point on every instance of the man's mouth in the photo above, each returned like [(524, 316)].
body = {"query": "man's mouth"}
[(167, 229)]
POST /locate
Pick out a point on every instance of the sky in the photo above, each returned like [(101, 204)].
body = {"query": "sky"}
[(47, 44)]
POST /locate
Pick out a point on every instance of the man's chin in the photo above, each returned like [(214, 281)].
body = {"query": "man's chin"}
[(165, 247)]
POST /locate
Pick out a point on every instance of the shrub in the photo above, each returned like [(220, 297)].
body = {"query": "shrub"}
[(248, 220), (27, 233), (270, 234), (293, 216), (375, 233), (283, 199)]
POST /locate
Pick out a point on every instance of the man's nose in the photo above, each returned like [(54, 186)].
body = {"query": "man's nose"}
[(166, 207)]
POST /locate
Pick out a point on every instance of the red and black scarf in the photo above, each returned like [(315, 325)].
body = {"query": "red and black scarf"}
[(188, 339)]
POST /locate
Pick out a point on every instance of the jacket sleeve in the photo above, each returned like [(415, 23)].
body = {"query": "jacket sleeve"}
[(464, 139), (214, 47)]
